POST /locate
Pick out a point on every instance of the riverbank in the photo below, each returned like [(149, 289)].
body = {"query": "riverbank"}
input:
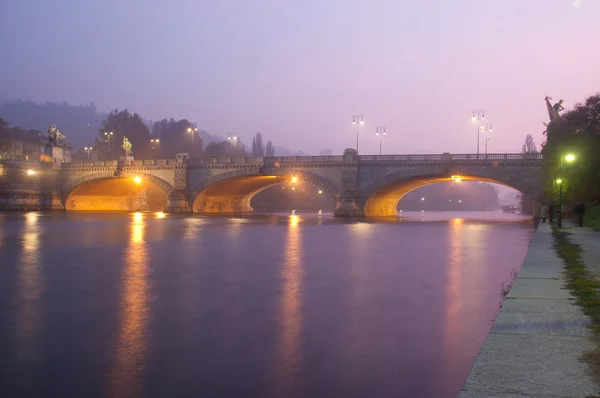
[(535, 346)]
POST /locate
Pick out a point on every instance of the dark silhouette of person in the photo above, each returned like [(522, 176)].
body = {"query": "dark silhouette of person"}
[(550, 212), (580, 210)]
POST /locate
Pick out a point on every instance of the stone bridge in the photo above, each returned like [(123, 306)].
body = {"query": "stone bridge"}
[(361, 185)]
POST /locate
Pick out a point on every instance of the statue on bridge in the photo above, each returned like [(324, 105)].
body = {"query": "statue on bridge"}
[(54, 135), (126, 146), (554, 110)]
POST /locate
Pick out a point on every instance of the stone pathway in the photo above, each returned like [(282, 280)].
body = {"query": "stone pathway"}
[(534, 347)]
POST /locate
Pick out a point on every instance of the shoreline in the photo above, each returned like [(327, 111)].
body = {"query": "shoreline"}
[(535, 345)]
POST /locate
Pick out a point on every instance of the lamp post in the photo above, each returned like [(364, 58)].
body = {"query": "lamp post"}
[(358, 120), (192, 130), (154, 142), (569, 158), (88, 149), (232, 137), (478, 117), (485, 128), (380, 131), (107, 136)]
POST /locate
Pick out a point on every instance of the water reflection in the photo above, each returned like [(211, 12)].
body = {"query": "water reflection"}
[(291, 322), (132, 340), (454, 289), (29, 288)]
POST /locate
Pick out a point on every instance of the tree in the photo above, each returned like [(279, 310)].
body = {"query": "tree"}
[(575, 132), (178, 137), (525, 204), (124, 124), (225, 150), (269, 150), (258, 148), (529, 145)]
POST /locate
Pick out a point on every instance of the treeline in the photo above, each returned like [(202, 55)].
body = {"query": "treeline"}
[(576, 133), (85, 126), (451, 196), (168, 137)]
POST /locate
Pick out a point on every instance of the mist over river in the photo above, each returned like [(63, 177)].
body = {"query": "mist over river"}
[(267, 305)]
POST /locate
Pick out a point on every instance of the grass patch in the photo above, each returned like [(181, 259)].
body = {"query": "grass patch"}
[(586, 290), (591, 218)]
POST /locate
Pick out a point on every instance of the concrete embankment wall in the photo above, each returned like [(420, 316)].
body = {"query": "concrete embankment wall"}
[(537, 340)]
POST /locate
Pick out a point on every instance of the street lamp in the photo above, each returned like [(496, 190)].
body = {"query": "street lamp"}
[(358, 120), (192, 130), (107, 136), (232, 137), (478, 117), (380, 131), (154, 142), (88, 149), (486, 128), (569, 158)]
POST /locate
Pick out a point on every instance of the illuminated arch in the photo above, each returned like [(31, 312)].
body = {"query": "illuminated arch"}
[(111, 174), (381, 196), (232, 191)]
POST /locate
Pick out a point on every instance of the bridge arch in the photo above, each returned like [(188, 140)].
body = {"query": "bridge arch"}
[(111, 189), (232, 191), (381, 196)]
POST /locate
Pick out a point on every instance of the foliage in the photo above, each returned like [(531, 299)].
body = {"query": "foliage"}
[(269, 150), (442, 196), (525, 203), (577, 132), (584, 287), (175, 138), (529, 145), (78, 123), (592, 218), (225, 150), (124, 124), (258, 147)]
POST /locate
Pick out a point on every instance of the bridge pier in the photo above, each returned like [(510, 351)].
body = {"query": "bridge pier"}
[(177, 202), (348, 206)]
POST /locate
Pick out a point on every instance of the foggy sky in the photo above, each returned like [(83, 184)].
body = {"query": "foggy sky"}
[(297, 70)]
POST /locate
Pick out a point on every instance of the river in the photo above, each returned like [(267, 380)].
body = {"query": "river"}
[(281, 305)]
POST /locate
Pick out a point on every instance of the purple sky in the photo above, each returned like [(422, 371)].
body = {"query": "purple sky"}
[(298, 70)]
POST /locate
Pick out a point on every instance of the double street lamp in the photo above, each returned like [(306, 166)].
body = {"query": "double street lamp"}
[(232, 137), (88, 149), (358, 120), (569, 158), (107, 138), (478, 117), (380, 132), (192, 130), (485, 128)]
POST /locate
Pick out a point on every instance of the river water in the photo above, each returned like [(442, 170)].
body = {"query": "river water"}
[(304, 305)]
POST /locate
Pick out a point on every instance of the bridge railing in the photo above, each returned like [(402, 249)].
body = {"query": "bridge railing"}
[(444, 157), (453, 157)]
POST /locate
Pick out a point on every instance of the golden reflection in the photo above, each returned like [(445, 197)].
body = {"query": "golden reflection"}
[(294, 220), (132, 340), (454, 299), (29, 290), (290, 320), (160, 214)]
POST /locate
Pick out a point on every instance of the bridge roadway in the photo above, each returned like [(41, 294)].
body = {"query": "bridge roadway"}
[(365, 185)]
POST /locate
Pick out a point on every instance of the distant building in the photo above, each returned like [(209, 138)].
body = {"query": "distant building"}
[(325, 152), (18, 144)]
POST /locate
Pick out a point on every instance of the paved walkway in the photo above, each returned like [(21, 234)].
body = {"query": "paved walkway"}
[(534, 347)]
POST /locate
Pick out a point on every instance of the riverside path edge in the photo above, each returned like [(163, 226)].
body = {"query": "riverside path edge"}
[(539, 335)]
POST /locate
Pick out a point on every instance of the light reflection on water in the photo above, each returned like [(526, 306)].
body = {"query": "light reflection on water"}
[(267, 305), (132, 341), (289, 356)]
